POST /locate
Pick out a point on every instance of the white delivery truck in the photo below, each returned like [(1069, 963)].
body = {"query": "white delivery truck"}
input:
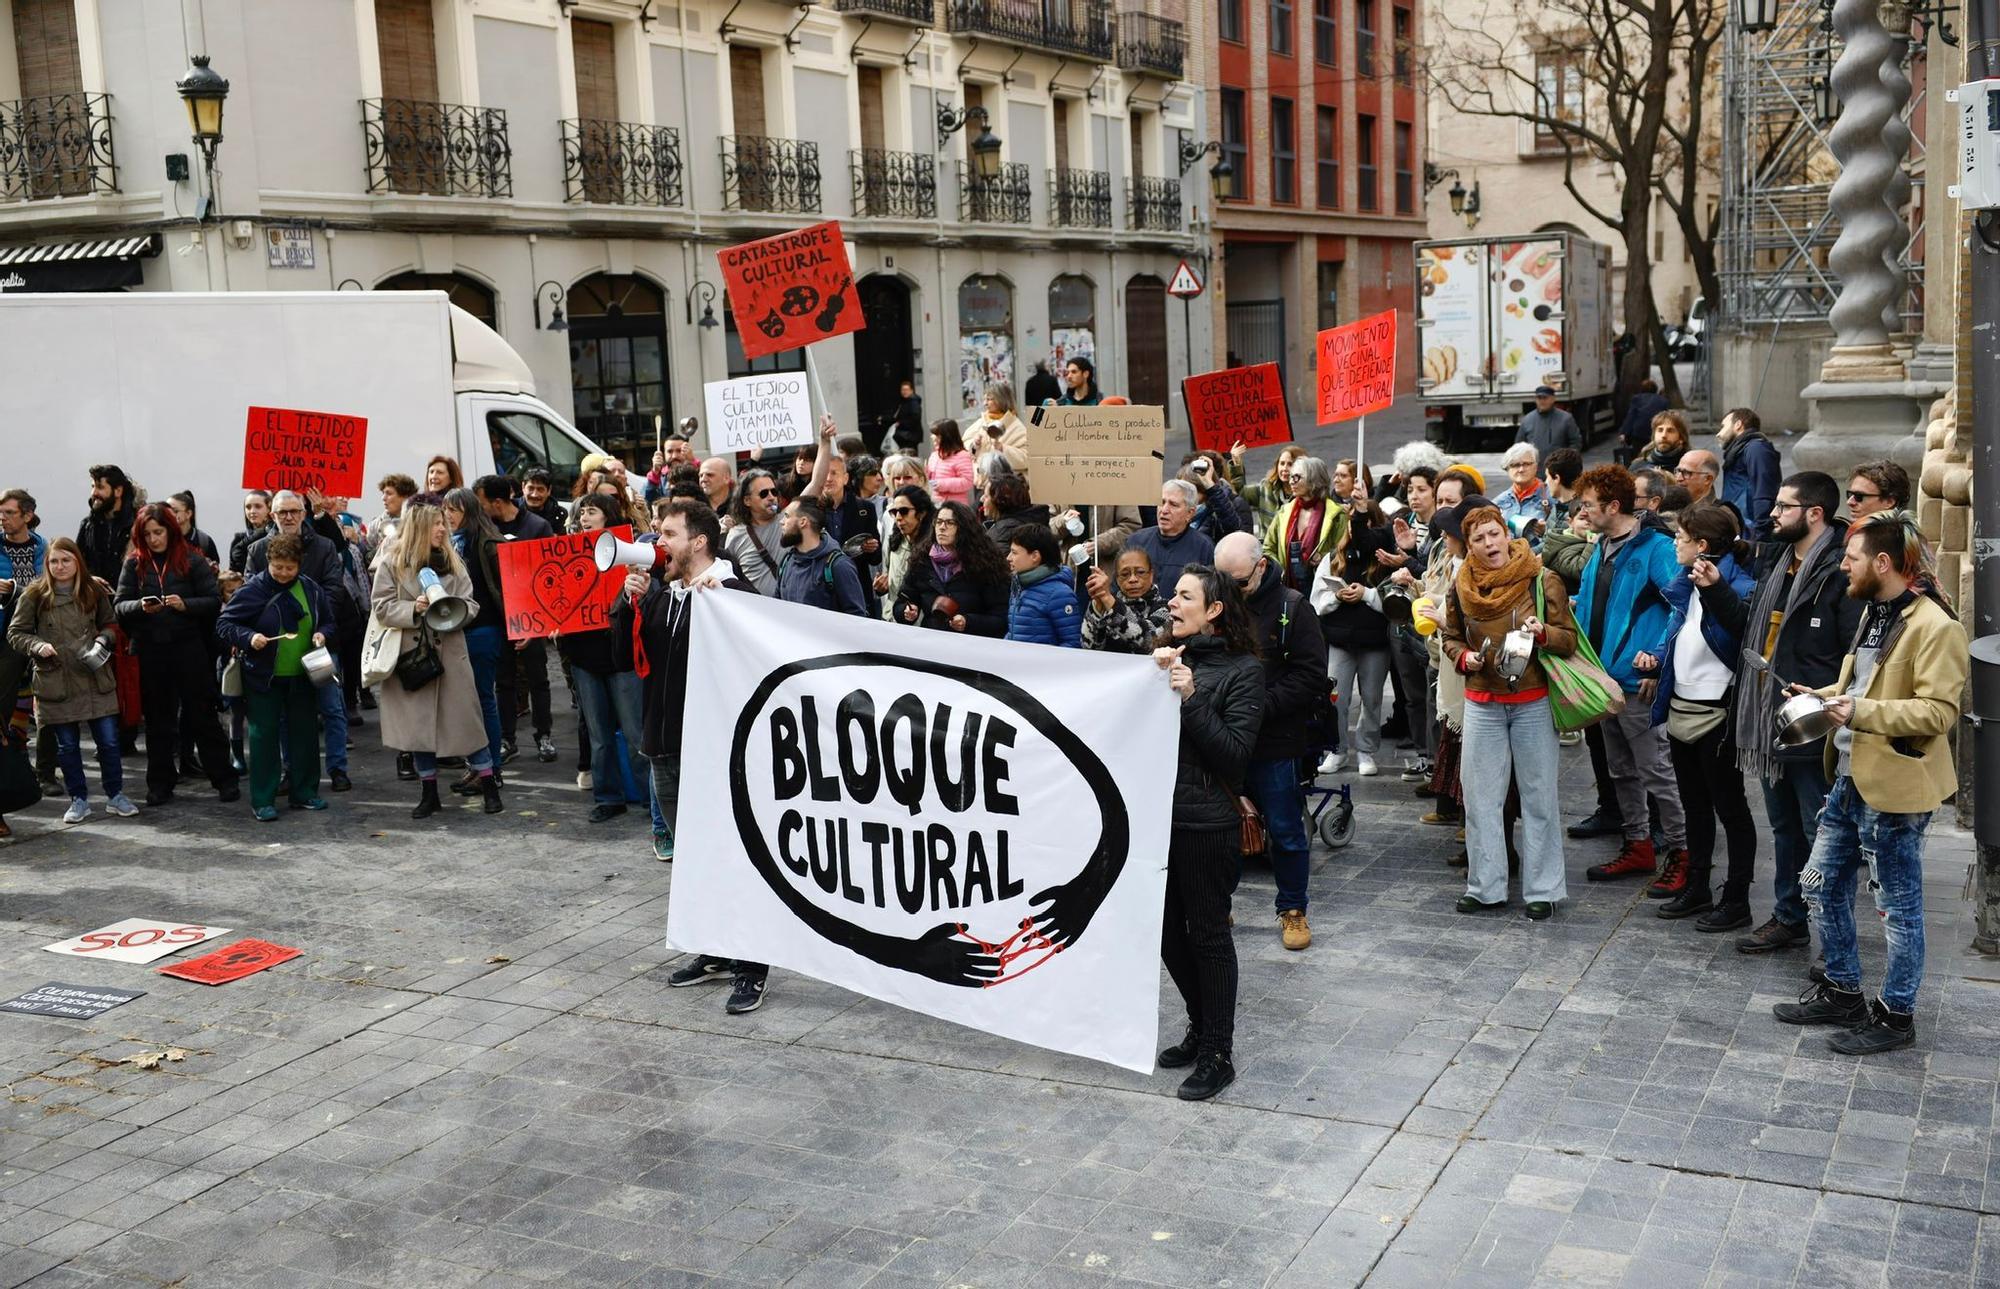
[(1497, 316), (161, 384)]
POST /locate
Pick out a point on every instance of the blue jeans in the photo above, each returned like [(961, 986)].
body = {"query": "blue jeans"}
[(1892, 846), (1274, 786), (1517, 742), (1792, 805), (610, 704), (426, 763), (333, 718), (483, 646), (110, 764)]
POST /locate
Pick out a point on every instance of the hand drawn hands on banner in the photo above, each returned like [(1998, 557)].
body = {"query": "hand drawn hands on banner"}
[(941, 954), (1070, 907)]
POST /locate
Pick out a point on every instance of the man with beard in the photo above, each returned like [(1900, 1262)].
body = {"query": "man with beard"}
[(815, 570), (1799, 620), (755, 521), (1893, 707), (256, 527), (1749, 470), (690, 536), (107, 530)]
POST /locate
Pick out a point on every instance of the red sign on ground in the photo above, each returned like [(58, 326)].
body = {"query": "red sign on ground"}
[(791, 290), (1357, 368), (1237, 405), (552, 584), (287, 448), (232, 962)]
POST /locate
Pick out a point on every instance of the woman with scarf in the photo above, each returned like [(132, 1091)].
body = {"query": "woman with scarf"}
[(477, 543), (1309, 527), (55, 622), (961, 584), (909, 515), (1509, 731)]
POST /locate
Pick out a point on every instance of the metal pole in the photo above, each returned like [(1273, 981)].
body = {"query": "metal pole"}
[(1187, 336), (1983, 27)]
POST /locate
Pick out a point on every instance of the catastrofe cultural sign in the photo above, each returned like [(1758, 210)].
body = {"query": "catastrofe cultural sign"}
[(752, 413), (552, 584), (1098, 456), (71, 1002), (1357, 368), (231, 962), (791, 289), (287, 448), (938, 832), (137, 939), (1237, 405)]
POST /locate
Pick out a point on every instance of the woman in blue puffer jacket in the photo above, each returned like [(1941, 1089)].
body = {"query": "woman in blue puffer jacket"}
[(1043, 608), (1696, 663)]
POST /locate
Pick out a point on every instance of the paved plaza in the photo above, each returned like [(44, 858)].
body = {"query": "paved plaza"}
[(476, 1074)]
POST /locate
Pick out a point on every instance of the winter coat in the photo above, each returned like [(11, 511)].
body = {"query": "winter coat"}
[(104, 542), (320, 562), (443, 718), (1725, 644), (1264, 500), (1635, 617), (1294, 654), (1535, 505), (1750, 472), (196, 587), (747, 549), (1332, 533), (1900, 759), (262, 607), (951, 476), (66, 690), (1484, 636), (1045, 610), (41, 549), (239, 547), (895, 566), (1637, 429), (1221, 512), (1012, 442), (202, 542), (1362, 625), (1130, 627), (663, 630), (824, 577), (1219, 725), (983, 605)]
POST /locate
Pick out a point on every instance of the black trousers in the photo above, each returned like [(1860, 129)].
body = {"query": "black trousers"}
[(176, 683), (507, 681), (1712, 788), (1600, 770), (1195, 941)]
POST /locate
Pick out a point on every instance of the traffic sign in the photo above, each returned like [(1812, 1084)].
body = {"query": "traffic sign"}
[(1185, 282)]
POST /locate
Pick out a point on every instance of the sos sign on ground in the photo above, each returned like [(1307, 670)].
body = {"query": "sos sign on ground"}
[(137, 939), (791, 290), (936, 832), (1357, 368), (552, 584)]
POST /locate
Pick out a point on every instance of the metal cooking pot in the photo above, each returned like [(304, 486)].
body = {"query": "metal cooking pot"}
[(1801, 719), (319, 666), (96, 655), (1515, 652)]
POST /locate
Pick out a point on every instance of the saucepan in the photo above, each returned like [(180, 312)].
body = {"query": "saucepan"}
[(96, 655), (1802, 718), (319, 666), (1515, 652)]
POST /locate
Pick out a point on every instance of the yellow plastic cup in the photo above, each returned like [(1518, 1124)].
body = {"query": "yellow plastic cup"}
[(1424, 626)]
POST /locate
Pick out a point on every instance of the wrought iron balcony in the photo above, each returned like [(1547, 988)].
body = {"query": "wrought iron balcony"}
[(1153, 205), (618, 164), (1080, 198), (1004, 199), (893, 185), (770, 174), (441, 149), (918, 13), (58, 146), (1080, 27), (1149, 44)]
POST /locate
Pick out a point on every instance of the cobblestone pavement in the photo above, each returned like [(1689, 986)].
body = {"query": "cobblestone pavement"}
[(476, 1074)]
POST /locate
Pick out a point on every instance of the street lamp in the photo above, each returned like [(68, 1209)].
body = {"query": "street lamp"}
[(985, 144), (704, 292), (1826, 104), (1469, 209), (556, 295), (203, 90), (1457, 195), (1757, 16), (1221, 179)]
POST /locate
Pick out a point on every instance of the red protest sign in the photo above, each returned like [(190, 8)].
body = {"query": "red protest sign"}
[(286, 448), (791, 290), (1237, 405), (1357, 368), (552, 584), (231, 962)]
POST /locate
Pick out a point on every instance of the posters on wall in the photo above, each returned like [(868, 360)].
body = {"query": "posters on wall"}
[(752, 413), (937, 832), (1066, 343), (983, 357), (552, 584)]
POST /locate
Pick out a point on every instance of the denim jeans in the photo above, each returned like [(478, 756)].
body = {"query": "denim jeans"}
[(333, 718), (610, 704), (426, 763), (1892, 846), (1359, 674), (1792, 806), (1274, 786), (110, 763), (665, 772), (1511, 742), (483, 646)]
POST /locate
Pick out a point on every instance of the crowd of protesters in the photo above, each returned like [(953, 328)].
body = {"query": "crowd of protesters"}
[(1311, 620)]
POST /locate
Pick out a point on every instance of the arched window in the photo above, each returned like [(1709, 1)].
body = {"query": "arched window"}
[(476, 298), (1072, 321), (618, 361), (985, 337)]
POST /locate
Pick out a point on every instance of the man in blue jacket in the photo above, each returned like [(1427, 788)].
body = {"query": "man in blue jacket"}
[(814, 570), (1750, 471), (1622, 606), (1043, 608)]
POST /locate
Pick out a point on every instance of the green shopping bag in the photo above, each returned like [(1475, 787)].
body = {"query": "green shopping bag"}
[(1581, 692)]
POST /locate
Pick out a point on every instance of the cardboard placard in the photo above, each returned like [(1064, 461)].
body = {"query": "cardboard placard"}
[(752, 413), (1357, 368), (231, 962), (1098, 456), (1237, 405), (137, 939), (71, 1002), (552, 584), (287, 448), (792, 289)]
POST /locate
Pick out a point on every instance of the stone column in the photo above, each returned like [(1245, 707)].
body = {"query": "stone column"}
[(1896, 135), (1868, 166)]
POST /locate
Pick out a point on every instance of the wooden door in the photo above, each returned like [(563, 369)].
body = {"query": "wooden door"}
[(1137, 166), (868, 84), (755, 171), (54, 117), (45, 48), (1061, 108), (593, 50), (413, 126), (1146, 359)]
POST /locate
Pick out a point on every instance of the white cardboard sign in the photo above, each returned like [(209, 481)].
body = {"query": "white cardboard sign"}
[(751, 413), (137, 939)]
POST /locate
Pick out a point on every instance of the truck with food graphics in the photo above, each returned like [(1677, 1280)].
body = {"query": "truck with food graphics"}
[(1498, 316)]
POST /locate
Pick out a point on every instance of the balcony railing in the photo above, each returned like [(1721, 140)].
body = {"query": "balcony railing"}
[(1149, 44), (893, 185), (58, 146), (618, 164), (441, 149), (919, 13), (780, 175), (1080, 27), (1153, 205), (1004, 199), (1080, 198)]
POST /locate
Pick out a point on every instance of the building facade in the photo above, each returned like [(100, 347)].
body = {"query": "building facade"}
[(567, 169), (1318, 107)]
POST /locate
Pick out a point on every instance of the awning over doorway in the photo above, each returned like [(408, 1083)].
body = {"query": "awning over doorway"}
[(107, 264)]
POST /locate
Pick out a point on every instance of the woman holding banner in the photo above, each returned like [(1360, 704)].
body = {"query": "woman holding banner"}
[(1210, 656), (477, 543), (441, 717)]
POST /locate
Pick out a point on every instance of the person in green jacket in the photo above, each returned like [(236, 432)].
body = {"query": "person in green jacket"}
[(1308, 527), (1266, 496)]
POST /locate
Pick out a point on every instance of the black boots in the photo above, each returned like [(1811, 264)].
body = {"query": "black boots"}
[(428, 804), (1182, 1053), (1212, 1073), (406, 766), (1824, 1003), (489, 793), (1884, 1031)]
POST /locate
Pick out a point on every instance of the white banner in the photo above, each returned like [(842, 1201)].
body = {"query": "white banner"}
[(752, 413), (969, 828)]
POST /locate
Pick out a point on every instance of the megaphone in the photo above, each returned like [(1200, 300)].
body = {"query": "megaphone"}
[(610, 553), (448, 614)]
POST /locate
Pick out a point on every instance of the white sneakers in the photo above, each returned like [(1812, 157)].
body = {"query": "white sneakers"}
[(1368, 768), (121, 805), (1332, 763), (79, 810)]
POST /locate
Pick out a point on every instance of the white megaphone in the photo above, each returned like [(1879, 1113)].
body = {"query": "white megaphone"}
[(447, 612), (611, 553)]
